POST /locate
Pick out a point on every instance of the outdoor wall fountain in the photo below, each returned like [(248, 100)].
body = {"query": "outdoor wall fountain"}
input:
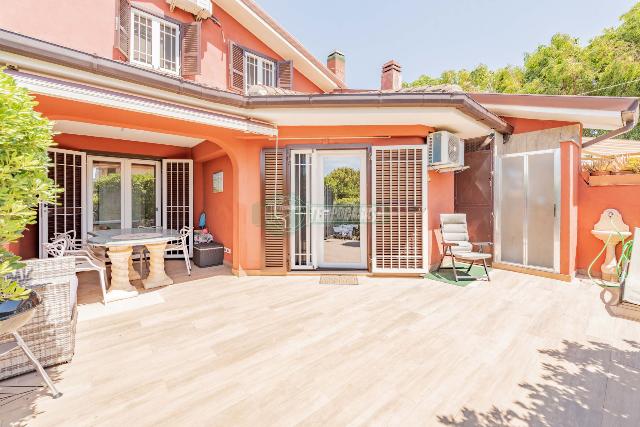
[(611, 230)]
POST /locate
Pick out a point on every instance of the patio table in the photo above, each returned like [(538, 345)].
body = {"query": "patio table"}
[(120, 243)]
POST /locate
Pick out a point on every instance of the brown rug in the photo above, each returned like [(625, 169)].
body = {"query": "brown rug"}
[(338, 279)]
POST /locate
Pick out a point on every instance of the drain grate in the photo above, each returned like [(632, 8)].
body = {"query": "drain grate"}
[(338, 279)]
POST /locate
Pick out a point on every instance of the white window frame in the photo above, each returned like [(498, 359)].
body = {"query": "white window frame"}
[(155, 42), (260, 63)]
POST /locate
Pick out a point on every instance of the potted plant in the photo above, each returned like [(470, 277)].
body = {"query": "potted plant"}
[(619, 166), (633, 165), (598, 167)]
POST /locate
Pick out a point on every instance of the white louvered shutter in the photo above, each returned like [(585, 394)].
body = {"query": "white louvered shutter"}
[(399, 228), (177, 197)]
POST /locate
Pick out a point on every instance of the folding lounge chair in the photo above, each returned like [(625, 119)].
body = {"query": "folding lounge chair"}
[(455, 244)]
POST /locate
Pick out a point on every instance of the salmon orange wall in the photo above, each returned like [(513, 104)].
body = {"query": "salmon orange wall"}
[(440, 200), (85, 25), (592, 202), (522, 125), (92, 23), (219, 206)]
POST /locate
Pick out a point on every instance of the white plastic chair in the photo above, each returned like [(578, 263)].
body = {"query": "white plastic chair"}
[(85, 260), (182, 244)]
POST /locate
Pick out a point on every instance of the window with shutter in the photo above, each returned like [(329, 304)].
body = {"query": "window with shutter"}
[(399, 209), (155, 42), (236, 67), (191, 48), (274, 221), (258, 70), (285, 75), (123, 25)]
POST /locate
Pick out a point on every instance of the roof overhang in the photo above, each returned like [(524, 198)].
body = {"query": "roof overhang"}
[(593, 112), (62, 89), (265, 28)]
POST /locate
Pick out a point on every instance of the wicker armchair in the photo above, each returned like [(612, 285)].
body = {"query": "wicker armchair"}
[(50, 334)]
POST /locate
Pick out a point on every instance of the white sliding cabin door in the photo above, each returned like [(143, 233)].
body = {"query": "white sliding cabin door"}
[(67, 171), (177, 198), (399, 211)]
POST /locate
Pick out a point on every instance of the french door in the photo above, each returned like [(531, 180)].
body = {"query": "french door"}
[(328, 209), (123, 193), (528, 231)]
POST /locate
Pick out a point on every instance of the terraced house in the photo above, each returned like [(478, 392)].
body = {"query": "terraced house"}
[(230, 115)]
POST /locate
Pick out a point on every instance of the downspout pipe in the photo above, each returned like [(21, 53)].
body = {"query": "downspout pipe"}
[(630, 120)]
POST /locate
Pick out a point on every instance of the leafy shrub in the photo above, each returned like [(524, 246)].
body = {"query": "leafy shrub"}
[(25, 136)]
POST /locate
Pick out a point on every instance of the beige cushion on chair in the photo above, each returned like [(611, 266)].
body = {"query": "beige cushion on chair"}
[(454, 230)]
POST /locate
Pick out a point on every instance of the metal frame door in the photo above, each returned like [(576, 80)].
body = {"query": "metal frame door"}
[(126, 219), (90, 184), (318, 194), (502, 211)]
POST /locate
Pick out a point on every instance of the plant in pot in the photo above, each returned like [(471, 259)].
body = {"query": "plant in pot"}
[(598, 167), (24, 182), (633, 165), (619, 166)]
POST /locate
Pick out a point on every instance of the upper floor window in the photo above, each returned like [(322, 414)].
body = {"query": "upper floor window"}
[(247, 68), (259, 71), (154, 42)]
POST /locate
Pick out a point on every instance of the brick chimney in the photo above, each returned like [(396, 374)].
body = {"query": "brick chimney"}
[(391, 76), (335, 62)]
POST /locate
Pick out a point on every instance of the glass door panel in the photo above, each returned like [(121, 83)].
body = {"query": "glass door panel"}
[(124, 193), (529, 217), (541, 210), (143, 195), (106, 196), (343, 192), (513, 209)]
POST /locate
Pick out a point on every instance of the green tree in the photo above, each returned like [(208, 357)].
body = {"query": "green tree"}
[(24, 138), (344, 183), (609, 65)]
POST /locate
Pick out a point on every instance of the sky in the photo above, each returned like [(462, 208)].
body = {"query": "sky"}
[(430, 36)]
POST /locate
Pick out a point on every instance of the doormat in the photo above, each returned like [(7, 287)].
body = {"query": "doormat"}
[(446, 276), (338, 279)]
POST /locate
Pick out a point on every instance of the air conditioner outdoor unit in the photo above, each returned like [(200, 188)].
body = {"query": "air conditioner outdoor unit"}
[(202, 9), (446, 150)]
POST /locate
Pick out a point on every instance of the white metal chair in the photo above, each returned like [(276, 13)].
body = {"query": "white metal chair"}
[(182, 244), (85, 260), (455, 244)]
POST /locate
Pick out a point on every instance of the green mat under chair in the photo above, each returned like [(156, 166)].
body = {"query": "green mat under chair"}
[(446, 276)]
